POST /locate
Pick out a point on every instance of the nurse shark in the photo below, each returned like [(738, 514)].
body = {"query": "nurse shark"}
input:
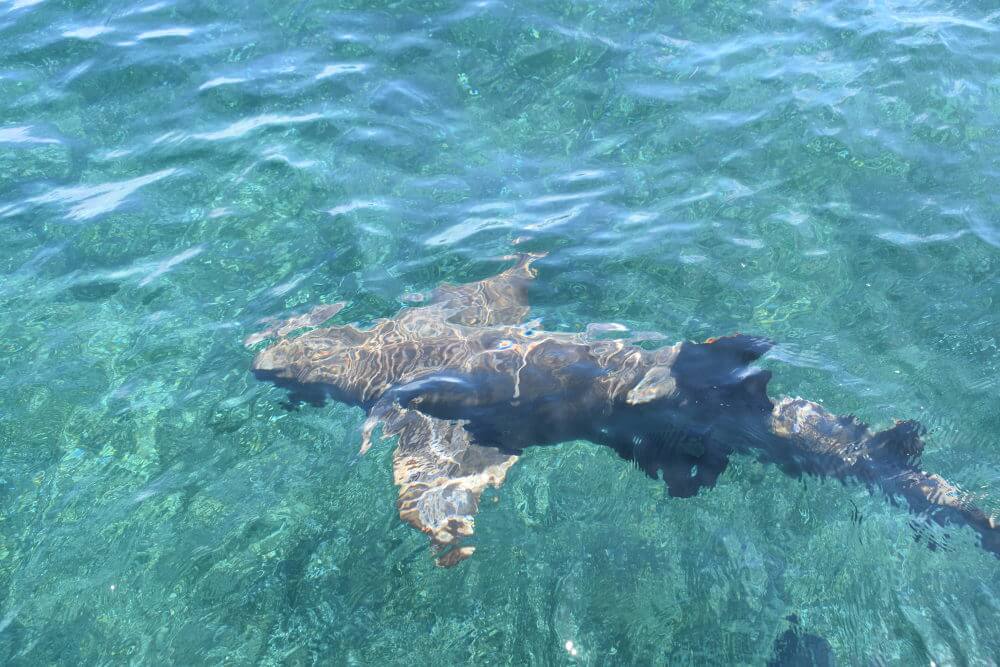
[(464, 384)]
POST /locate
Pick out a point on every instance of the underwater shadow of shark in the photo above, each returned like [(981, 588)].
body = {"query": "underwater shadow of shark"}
[(466, 386)]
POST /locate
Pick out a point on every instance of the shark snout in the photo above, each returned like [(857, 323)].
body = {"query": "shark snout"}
[(272, 361), (264, 361)]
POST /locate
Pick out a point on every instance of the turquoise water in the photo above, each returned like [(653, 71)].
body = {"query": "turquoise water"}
[(822, 173)]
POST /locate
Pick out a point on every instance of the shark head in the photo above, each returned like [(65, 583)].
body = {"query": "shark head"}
[(319, 364)]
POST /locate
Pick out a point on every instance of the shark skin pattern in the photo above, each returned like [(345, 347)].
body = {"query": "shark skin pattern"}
[(465, 385)]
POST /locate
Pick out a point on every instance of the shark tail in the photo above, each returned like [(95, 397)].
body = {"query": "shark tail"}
[(899, 449), (934, 498), (812, 440)]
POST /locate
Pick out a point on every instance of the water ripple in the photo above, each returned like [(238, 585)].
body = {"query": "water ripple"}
[(171, 172), (23, 135), (86, 202)]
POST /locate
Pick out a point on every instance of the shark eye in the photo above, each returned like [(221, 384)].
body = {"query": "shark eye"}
[(529, 332)]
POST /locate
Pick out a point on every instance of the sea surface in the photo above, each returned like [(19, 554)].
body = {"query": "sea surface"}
[(824, 173)]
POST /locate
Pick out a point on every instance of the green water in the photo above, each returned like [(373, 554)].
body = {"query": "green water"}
[(823, 173)]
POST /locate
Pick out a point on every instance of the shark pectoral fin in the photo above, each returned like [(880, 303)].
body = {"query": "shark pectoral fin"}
[(367, 431), (382, 409), (500, 299), (441, 474)]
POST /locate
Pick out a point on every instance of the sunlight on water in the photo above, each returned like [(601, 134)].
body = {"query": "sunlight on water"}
[(173, 173)]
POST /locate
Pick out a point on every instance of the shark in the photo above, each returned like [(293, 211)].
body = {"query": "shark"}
[(465, 383)]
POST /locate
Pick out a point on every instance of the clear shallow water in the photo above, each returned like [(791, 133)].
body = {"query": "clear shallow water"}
[(823, 173)]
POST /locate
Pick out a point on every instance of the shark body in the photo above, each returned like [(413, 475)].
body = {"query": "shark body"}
[(465, 385)]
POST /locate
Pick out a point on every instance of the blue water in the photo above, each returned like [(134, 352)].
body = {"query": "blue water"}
[(822, 173)]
